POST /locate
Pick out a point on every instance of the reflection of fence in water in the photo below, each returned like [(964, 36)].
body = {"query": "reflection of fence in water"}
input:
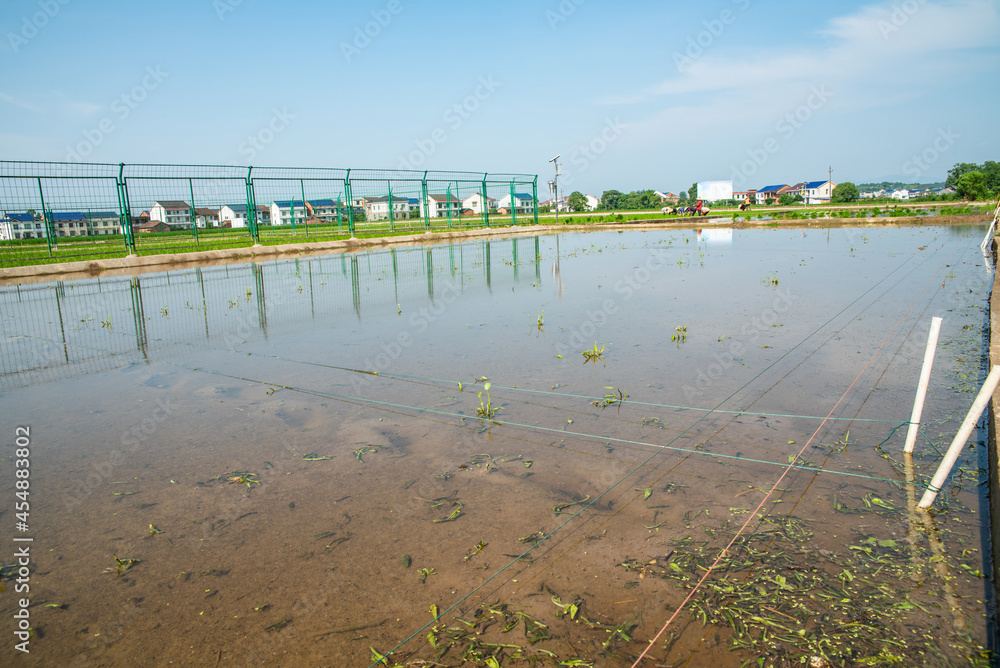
[(60, 330)]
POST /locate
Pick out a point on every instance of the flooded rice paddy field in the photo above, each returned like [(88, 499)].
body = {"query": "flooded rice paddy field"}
[(325, 461)]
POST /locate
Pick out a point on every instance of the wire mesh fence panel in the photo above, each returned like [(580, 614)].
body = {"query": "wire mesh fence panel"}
[(177, 208), (514, 198), (52, 216), (291, 209), (388, 202), (53, 212)]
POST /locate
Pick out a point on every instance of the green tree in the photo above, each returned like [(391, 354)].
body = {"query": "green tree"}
[(956, 172), (769, 201), (693, 193), (611, 200), (577, 202), (991, 169), (682, 197), (787, 199), (845, 192), (972, 186)]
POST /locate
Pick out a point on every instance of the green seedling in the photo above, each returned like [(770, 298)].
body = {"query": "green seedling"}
[(594, 355), (571, 609), (313, 457), (278, 625), (107, 323), (611, 399), (455, 514), (561, 508), (772, 278), (423, 573), (362, 451), (407, 560), (476, 550), (153, 531), (680, 334), (486, 410), (123, 565), (243, 478)]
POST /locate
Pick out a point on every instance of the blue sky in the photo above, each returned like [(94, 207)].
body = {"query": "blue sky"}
[(631, 94)]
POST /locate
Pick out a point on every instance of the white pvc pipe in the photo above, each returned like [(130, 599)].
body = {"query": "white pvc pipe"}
[(955, 449), (925, 379)]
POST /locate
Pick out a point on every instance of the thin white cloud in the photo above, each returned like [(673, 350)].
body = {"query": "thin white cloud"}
[(18, 102), (83, 108), (901, 40)]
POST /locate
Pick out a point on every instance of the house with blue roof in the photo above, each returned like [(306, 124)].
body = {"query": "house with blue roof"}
[(85, 223), (771, 192), (17, 225), (522, 203), (818, 192)]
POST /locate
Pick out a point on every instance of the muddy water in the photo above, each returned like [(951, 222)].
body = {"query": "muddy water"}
[(341, 395)]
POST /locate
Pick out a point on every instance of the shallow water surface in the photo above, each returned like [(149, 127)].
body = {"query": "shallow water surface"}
[(301, 459)]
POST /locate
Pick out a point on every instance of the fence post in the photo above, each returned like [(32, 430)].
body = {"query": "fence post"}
[(425, 205), (125, 210), (350, 203), (252, 208), (486, 205), (392, 227), (45, 216), (534, 197), (447, 204), (513, 206), (305, 211), (191, 215)]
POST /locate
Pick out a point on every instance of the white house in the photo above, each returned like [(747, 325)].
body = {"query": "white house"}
[(900, 194), (22, 226), (377, 208), (233, 215), (79, 224), (287, 212), (206, 217), (171, 212), (818, 192), (474, 203), (593, 202), (316, 211), (522, 203), (438, 205)]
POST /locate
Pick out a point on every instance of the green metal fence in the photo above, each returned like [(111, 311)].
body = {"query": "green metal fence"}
[(57, 212)]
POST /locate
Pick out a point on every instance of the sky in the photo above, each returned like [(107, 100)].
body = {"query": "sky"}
[(630, 94)]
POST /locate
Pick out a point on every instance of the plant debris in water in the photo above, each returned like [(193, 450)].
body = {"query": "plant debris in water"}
[(787, 602)]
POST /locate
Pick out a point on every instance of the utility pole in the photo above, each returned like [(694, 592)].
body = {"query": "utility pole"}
[(554, 185)]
